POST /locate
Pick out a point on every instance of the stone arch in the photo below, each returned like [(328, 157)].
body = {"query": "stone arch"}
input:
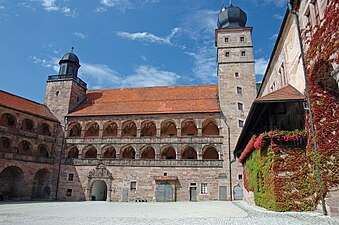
[(147, 152), (168, 128), (41, 185), (148, 128), (5, 144), (12, 183), (189, 128), (25, 148), (44, 129), (89, 152), (129, 128), (72, 152), (210, 128), (99, 190), (168, 152), (128, 152), (102, 175), (108, 152), (110, 129), (27, 125), (210, 152), (188, 152), (42, 151), (74, 129), (7, 120), (92, 129)]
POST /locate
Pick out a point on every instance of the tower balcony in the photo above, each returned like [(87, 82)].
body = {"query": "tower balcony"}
[(59, 77)]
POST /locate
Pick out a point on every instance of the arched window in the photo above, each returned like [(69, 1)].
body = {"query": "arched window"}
[(42, 151), (189, 153), (92, 130), (147, 152), (168, 153), (110, 129), (5, 144), (45, 129), (210, 128), (128, 153), (74, 129), (210, 153), (168, 128), (27, 125), (129, 129), (7, 120), (148, 128), (108, 152), (72, 152), (25, 148), (189, 128), (90, 152)]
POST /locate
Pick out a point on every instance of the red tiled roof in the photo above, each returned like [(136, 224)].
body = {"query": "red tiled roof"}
[(288, 93), (24, 105), (150, 100)]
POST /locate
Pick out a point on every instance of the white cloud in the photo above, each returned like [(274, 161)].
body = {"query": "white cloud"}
[(50, 6), (278, 16), (121, 5), (261, 65), (148, 37), (274, 36), (79, 35)]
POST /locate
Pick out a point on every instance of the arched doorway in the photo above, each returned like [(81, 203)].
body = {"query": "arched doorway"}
[(41, 185), (99, 191), (11, 183), (237, 192)]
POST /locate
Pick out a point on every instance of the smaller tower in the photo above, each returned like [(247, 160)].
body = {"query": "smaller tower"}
[(66, 90)]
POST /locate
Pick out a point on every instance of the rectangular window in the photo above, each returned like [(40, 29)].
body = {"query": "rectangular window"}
[(240, 106), (236, 74), (243, 53), (241, 123), (69, 192), (204, 188), (70, 177), (226, 40), (239, 176), (239, 90), (227, 54), (242, 39), (133, 185)]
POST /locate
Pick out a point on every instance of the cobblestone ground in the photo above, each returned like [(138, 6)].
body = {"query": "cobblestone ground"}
[(182, 213)]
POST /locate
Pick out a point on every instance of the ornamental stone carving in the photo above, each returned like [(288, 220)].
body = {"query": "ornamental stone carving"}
[(100, 171)]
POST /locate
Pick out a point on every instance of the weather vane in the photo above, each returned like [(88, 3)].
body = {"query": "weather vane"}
[(72, 46), (230, 2)]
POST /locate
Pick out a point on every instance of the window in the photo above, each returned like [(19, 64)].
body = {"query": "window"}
[(240, 106), (239, 176), (236, 74), (242, 39), (243, 53), (227, 54), (57, 93), (70, 177), (226, 40), (241, 123), (133, 185), (69, 192), (203, 188), (239, 90)]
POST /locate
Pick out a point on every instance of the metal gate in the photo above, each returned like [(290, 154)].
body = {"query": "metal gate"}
[(164, 193), (193, 194), (238, 192), (222, 193)]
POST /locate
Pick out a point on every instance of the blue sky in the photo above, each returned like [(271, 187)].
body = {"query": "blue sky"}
[(122, 43)]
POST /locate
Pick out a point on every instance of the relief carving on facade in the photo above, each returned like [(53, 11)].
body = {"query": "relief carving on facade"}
[(100, 171)]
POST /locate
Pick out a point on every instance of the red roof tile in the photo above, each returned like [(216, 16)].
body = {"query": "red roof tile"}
[(288, 93), (24, 105), (150, 100)]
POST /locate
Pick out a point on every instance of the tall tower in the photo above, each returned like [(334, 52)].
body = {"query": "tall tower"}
[(65, 90), (236, 77)]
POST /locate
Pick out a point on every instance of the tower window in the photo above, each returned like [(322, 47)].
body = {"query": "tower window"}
[(227, 54), (57, 93), (242, 39), (69, 192), (239, 176), (236, 74), (241, 123), (70, 177), (239, 90), (240, 106), (226, 39), (243, 53)]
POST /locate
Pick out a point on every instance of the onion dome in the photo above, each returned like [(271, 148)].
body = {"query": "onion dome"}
[(231, 17)]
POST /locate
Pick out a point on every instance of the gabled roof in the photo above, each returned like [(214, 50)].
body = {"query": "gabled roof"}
[(150, 100), (288, 93), (15, 102)]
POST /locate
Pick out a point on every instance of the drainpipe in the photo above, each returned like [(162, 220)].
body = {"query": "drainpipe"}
[(315, 146), (60, 158)]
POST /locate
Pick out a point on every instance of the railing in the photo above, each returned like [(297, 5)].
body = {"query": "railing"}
[(27, 134), (67, 76), (145, 163)]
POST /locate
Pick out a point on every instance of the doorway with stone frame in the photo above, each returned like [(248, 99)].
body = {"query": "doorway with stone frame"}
[(99, 185)]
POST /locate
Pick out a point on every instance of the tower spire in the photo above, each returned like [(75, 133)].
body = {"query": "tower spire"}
[(230, 2)]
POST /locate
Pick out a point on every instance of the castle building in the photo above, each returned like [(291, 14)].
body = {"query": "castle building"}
[(170, 143)]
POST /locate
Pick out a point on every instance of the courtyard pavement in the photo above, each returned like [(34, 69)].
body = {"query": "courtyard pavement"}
[(181, 213)]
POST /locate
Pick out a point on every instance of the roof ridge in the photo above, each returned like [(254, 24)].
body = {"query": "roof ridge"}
[(197, 85)]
